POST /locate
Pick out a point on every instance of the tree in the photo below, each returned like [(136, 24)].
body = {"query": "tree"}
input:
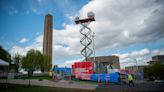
[(148, 72), (40, 59), (47, 62), (35, 60), (30, 61), (55, 66), (156, 70), (16, 60), (44, 61)]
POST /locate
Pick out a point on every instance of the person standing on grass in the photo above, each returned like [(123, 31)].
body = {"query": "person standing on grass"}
[(50, 74), (130, 79)]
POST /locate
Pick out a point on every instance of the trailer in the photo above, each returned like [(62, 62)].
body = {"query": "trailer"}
[(85, 71)]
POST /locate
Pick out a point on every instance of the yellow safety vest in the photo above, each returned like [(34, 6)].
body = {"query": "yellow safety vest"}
[(130, 77), (50, 73)]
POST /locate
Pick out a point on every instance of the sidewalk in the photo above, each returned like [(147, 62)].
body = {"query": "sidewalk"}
[(139, 87), (50, 83)]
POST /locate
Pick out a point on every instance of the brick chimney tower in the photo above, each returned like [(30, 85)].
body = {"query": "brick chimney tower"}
[(48, 39)]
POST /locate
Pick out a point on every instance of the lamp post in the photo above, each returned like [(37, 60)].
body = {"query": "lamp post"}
[(136, 64)]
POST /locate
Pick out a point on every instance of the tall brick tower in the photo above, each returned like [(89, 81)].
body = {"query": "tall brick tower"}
[(47, 41)]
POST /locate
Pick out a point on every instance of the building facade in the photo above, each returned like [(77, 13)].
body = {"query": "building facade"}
[(48, 39), (135, 69), (157, 58), (104, 62)]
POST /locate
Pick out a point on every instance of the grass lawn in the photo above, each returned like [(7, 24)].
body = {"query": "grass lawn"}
[(22, 88), (36, 77), (25, 88)]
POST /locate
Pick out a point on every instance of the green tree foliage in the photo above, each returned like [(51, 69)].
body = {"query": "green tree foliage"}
[(44, 61), (30, 61), (16, 60), (47, 62), (35, 60), (55, 66), (148, 71), (4, 55), (40, 60), (156, 70)]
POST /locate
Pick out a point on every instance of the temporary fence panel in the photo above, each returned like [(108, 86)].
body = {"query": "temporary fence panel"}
[(113, 77)]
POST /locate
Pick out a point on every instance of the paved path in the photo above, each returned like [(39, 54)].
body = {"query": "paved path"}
[(139, 87), (143, 87), (64, 84)]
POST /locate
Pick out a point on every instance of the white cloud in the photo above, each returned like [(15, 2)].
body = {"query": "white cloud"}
[(119, 24), (37, 33), (19, 50), (23, 40), (126, 33), (127, 59), (142, 56), (125, 22), (70, 62), (70, 37), (140, 53), (39, 1), (41, 6), (33, 9), (13, 12), (70, 17), (23, 50), (27, 12), (39, 39), (157, 52)]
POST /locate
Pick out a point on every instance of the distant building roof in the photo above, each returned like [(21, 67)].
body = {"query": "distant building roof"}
[(3, 63)]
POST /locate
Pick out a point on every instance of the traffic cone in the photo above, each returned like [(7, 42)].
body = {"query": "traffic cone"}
[(53, 78), (98, 79), (106, 80), (70, 79)]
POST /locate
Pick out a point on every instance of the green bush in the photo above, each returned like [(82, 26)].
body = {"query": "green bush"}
[(156, 70)]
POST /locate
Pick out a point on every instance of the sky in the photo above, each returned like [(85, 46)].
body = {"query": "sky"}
[(131, 29)]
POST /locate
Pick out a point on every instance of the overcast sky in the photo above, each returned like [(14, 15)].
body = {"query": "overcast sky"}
[(132, 29)]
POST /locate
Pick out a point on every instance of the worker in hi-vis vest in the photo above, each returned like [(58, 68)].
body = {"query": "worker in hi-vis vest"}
[(130, 79), (50, 74)]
